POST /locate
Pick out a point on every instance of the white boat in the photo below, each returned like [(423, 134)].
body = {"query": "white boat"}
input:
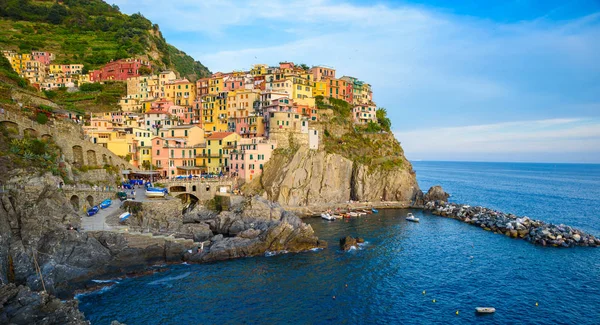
[(412, 218), (485, 310), (327, 216), (124, 216), (353, 214), (156, 192), (360, 213)]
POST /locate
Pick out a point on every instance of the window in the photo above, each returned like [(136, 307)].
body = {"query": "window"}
[(250, 156), (158, 152)]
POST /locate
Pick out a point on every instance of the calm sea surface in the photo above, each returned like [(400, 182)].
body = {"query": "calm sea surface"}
[(458, 265)]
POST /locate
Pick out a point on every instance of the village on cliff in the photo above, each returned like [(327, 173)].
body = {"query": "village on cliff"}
[(226, 124)]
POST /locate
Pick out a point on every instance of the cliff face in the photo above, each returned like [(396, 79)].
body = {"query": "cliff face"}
[(313, 178)]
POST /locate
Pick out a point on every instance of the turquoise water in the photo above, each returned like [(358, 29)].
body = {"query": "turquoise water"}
[(458, 265)]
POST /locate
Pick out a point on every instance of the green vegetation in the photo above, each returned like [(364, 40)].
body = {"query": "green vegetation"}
[(91, 32), (92, 97), (342, 110), (41, 118), (28, 152), (383, 120)]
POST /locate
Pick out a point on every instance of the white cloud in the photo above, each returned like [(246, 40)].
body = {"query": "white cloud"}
[(552, 136)]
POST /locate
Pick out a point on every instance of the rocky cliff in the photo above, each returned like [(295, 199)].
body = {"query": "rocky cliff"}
[(315, 177)]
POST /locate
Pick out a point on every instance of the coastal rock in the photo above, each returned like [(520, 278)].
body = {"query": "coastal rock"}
[(436, 193), (347, 243), (19, 305), (316, 178)]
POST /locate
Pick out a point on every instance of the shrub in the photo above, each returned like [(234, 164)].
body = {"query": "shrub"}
[(91, 87), (41, 118)]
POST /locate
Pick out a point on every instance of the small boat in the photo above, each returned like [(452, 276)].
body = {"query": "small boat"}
[(353, 214), (124, 216), (375, 210), (92, 211), (367, 211), (485, 310), (156, 192), (327, 216), (412, 218), (360, 213), (105, 204), (338, 216)]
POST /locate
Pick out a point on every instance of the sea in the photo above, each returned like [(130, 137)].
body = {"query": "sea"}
[(433, 272)]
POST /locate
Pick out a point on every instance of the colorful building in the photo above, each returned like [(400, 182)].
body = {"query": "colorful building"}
[(119, 70), (215, 157), (248, 159)]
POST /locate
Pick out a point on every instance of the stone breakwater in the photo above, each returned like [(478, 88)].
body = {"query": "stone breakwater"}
[(533, 231)]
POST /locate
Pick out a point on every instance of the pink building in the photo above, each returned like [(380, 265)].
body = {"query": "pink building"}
[(248, 160), (119, 70), (173, 156), (42, 57)]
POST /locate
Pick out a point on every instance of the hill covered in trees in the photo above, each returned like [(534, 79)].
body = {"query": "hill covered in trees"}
[(91, 32)]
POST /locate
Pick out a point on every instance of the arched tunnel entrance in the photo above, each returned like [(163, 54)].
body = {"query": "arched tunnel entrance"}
[(189, 202), (75, 202)]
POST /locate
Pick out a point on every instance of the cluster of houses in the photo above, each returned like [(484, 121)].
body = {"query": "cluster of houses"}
[(38, 68), (228, 123)]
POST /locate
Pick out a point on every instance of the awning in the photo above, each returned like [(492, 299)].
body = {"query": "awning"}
[(189, 167), (146, 172)]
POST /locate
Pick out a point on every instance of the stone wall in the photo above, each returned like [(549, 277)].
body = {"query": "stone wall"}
[(69, 137), (202, 190)]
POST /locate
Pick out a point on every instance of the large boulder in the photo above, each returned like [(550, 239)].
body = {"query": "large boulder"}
[(347, 243), (436, 193), (19, 305)]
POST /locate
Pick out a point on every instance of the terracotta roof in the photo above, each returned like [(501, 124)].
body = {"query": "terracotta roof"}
[(219, 135)]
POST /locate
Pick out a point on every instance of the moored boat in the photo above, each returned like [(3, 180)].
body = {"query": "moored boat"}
[(375, 210), (412, 218), (124, 216), (327, 216), (156, 192), (353, 214), (485, 310), (92, 211), (105, 204)]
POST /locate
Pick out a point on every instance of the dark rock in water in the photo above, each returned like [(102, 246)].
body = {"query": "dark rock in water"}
[(19, 305), (436, 193), (346, 243)]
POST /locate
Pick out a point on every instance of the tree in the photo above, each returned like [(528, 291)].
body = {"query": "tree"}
[(144, 70), (382, 118), (57, 14), (304, 66)]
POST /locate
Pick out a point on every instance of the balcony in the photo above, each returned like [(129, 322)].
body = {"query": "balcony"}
[(207, 155)]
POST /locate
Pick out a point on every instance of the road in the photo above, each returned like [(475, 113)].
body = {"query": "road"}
[(98, 221)]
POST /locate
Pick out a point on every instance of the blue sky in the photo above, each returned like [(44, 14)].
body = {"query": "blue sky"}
[(461, 80)]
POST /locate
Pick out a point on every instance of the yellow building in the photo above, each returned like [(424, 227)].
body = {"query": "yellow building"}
[(302, 88), (319, 88), (259, 70), (215, 157), (240, 103), (181, 92), (213, 114), (143, 140), (215, 84)]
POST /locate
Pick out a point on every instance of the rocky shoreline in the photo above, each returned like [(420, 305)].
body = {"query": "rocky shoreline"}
[(534, 231)]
